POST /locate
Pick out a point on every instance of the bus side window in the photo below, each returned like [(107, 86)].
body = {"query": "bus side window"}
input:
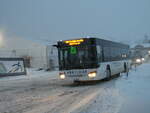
[(99, 53)]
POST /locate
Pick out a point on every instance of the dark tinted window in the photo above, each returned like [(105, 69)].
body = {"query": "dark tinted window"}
[(114, 53), (77, 57)]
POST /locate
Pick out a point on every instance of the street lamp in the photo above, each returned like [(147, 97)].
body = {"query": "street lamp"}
[(1, 39)]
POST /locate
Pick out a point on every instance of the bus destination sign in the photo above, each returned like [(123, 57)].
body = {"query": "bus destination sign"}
[(74, 42)]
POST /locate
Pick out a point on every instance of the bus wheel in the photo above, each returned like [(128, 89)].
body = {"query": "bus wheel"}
[(118, 74), (108, 74)]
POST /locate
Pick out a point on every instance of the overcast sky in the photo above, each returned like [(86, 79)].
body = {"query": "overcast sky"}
[(120, 20)]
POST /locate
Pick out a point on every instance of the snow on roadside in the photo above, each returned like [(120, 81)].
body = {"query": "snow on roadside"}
[(32, 77), (138, 79), (31, 74), (107, 101), (105, 97), (128, 93), (135, 90)]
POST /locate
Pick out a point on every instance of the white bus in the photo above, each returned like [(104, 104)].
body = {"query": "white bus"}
[(87, 59)]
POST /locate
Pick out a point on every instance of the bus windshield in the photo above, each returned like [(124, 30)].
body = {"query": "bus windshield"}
[(77, 57)]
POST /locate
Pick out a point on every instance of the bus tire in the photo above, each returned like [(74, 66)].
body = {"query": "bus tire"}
[(118, 74), (108, 74)]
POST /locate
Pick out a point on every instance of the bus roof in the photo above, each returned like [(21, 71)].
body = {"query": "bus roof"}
[(99, 41)]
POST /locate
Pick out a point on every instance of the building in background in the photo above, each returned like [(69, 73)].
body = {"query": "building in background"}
[(36, 55), (141, 51)]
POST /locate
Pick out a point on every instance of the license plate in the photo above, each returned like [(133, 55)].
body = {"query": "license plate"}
[(75, 75)]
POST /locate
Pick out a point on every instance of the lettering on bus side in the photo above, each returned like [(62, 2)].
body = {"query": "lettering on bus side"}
[(77, 72)]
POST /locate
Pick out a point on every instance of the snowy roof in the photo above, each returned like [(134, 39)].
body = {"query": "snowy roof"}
[(146, 45), (21, 43), (142, 44)]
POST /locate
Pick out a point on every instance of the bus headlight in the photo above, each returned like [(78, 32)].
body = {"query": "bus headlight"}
[(143, 59), (138, 60), (92, 74), (62, 76)]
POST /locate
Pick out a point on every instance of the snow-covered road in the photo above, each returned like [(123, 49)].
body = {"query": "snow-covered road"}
[(43, 92)]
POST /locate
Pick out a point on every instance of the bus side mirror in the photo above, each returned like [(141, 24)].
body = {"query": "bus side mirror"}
[(55, 46)]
